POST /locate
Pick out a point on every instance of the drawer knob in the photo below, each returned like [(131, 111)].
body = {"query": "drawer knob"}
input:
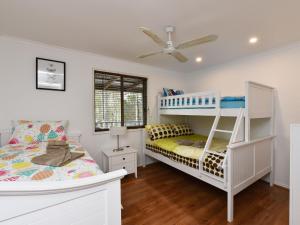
[(124, 167), (123, 158)]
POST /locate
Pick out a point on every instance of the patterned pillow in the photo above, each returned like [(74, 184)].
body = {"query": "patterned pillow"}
[(30, 132), (182, 129), (148, 128), (160, 131)]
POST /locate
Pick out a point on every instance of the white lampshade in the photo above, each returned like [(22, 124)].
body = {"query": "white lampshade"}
[(114, 131)]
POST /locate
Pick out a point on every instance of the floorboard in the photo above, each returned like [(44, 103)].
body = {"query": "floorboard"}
[(163, 195)]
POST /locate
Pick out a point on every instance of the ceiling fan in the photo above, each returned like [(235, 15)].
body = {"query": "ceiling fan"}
[(168, 46)]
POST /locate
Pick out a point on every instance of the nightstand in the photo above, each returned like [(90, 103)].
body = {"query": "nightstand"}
[(125, 159)]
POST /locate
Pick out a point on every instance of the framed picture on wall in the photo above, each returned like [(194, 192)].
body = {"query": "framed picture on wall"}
[(50, 74)]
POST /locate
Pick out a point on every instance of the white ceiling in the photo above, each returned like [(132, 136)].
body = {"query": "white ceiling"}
[(110, 27)]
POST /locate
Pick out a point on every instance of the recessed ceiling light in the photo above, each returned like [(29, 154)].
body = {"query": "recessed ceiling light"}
[(199, 59), (253, 40)]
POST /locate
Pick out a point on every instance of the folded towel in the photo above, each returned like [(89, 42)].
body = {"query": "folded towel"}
[(196, 144), (199, 144), (58, 154), (57, 146), (185, 142), (59, 149), (55, 159), (58, 143)]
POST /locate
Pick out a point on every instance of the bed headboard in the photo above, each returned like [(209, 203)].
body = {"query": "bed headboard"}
[(259, 100), (6, 134), (75, 135)]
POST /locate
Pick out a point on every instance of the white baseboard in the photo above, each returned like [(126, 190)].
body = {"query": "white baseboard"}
[(282, 185)]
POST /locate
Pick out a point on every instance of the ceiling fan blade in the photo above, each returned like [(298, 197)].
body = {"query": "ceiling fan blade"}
[(198, 41), (153, 36), (179, 56), (148, 54)]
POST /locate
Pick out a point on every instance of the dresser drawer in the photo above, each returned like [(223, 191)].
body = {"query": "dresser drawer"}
[(122, 159), (128, 166)]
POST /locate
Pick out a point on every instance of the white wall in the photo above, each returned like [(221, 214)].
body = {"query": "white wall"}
[(278, 68), (20, 99)]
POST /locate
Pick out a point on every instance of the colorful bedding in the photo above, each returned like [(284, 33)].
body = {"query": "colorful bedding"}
[(189, 155), (169, 144), (16, 165), (232, 102)]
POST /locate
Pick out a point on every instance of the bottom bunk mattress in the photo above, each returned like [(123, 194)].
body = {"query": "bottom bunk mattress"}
[(16, 165), (189, 155)]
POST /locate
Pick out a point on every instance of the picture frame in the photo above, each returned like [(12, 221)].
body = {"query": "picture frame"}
[(50, 74)]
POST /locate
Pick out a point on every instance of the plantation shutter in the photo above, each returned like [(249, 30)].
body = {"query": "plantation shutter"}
[(119, 100)]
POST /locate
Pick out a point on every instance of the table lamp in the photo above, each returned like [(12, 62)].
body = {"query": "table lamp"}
[(117, 131)]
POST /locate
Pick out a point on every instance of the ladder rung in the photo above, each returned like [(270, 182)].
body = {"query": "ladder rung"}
[(224, 131), (216, 153)]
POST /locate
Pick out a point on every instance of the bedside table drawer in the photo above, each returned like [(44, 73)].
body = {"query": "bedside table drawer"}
[(122, 159), (129, 167)]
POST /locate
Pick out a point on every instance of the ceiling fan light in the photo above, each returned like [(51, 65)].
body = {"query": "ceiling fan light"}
[(253, 40), (198, 59)]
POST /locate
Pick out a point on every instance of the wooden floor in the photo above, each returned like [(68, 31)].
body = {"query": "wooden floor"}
[(165, 196)]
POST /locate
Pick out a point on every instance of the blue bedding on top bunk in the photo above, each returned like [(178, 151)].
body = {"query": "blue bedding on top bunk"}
[(231, 102), (228, 102)]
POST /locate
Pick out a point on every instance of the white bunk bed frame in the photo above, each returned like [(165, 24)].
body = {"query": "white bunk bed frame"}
[(245, 161), (93, 200)]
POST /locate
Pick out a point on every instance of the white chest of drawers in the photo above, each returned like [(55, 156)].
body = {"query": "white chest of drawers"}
[(125, 159), (294, 175)]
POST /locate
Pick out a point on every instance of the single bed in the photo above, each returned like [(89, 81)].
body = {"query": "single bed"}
[(77, 193), (16, 165)]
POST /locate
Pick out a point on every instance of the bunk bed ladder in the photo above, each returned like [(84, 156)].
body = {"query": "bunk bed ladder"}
[(236, 127), (211, 135)]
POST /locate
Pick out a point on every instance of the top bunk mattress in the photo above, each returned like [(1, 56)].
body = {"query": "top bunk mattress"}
[(232, 102), (16, 165)]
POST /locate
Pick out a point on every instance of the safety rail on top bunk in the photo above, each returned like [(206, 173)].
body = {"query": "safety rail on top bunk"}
[(205, 100)]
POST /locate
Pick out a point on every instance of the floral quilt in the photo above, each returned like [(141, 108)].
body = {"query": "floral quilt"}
[(16, 165)]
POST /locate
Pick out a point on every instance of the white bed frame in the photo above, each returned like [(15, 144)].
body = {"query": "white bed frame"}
[(246, 161), (94, 200)]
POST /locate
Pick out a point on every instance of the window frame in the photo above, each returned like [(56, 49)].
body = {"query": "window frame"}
[(121, 75)]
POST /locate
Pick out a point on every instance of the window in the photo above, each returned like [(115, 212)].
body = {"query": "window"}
[(120, 100)]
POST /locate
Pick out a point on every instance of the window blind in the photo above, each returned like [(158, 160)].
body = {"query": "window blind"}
[(120, 100)]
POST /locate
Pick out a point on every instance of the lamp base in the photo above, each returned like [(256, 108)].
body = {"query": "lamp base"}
[(119, 148)]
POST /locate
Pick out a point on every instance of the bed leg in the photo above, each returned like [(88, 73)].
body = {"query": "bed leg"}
[(271, 178), (143, 137), (144, 161), (271, 175), (230, 201)]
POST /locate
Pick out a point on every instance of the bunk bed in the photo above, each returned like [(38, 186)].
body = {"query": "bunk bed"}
[(246, 158)]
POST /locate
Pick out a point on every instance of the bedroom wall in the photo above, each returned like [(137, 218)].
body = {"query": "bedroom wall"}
[(20, 99), (278, 68)]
